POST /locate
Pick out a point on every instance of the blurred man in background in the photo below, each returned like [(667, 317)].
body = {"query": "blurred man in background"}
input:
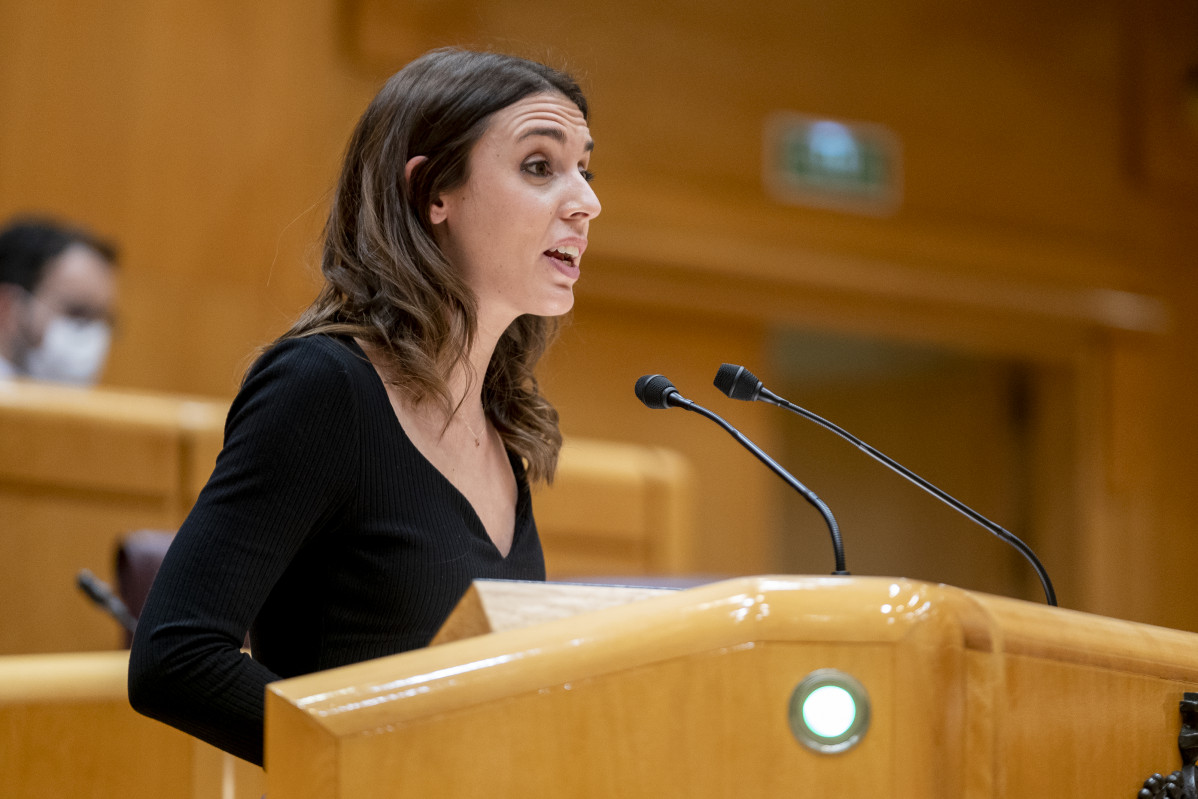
[(57, 295)]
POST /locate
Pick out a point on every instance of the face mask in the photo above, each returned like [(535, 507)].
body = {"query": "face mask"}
[(72, 351)]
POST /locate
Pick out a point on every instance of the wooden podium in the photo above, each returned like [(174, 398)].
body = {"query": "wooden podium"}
[(688, 694)]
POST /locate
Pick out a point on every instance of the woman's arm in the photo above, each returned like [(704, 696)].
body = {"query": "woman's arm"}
[(288, 466)]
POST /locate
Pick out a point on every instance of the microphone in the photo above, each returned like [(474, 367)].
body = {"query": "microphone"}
[(741, 384), (657, 392), (99, 592)]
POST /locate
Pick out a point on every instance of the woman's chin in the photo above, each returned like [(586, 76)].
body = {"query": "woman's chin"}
[(560, 303)]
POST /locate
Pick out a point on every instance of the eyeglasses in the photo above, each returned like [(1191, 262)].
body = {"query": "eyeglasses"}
[(78, 311)]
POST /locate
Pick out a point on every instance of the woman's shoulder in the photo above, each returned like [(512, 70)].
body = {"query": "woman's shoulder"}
[(315, 371), (317, 357)]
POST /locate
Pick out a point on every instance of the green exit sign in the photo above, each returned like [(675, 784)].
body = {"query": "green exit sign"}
[(827, 163)]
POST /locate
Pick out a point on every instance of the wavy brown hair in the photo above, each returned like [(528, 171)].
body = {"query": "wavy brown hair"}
[(386, 280)]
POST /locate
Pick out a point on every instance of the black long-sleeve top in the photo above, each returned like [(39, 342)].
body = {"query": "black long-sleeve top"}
[(324, 532)]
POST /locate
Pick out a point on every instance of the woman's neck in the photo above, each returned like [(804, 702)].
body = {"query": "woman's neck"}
[(463, 384), (466, 383)]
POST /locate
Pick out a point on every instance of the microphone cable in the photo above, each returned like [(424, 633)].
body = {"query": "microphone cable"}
[(739, 383), (657, 392)]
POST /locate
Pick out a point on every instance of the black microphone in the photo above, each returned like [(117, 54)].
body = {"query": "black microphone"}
[(741, 384), (99, 592), (657, 392)]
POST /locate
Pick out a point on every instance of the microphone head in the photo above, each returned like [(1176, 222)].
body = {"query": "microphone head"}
[(737, 382), (655, 391), (90, 585)]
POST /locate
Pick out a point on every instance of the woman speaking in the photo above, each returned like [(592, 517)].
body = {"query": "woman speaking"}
[(377, 458)]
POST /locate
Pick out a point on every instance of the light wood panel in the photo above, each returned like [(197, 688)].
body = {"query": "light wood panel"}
[(495, 605), (203, 141), (79, 469), (616, 509), (686, 695), (68, 731)]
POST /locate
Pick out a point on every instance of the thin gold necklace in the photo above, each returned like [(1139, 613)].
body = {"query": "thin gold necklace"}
[(477, 441)]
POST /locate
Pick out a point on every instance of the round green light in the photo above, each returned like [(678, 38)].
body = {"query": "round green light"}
[(829, 711)]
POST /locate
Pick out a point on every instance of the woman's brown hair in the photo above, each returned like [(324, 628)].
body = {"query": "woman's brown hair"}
[(386, 281)]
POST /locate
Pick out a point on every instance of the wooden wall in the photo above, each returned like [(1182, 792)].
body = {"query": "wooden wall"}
[(1050, 192)]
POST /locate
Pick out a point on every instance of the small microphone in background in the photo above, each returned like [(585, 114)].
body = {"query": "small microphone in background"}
[(657, 392), (739, 383), (99, 592)]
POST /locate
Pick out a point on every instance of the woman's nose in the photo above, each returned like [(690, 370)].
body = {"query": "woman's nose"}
[(582, 202)]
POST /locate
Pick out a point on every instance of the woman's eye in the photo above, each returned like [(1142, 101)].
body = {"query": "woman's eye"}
[(538, 169), (587, 175)]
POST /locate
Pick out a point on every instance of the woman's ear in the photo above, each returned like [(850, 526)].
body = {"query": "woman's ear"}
[(411, 165), (436, 211)]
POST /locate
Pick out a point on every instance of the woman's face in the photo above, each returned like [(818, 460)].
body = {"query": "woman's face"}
[(518, 226)]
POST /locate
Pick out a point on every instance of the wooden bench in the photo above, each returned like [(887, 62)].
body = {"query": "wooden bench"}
[(67, 730), (79, 468), (82, 468)]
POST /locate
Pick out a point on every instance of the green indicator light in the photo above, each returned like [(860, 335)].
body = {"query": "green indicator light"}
[(830, 711)]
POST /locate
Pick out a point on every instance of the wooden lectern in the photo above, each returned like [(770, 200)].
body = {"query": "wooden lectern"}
[(689, 694)]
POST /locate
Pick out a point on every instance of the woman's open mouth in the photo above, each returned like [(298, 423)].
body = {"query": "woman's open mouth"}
[(565, 260)]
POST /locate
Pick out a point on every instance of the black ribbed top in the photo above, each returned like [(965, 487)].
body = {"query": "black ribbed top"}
[(324, 532)]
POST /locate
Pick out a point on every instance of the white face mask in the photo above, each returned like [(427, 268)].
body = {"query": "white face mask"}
[(72, 351)]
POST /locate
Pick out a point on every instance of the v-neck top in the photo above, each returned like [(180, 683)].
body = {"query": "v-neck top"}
[(324, 532)]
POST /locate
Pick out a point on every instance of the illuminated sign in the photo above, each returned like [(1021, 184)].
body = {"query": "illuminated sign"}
[(826, 163)]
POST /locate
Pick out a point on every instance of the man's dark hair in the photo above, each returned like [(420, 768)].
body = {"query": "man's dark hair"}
[(27, 244)]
